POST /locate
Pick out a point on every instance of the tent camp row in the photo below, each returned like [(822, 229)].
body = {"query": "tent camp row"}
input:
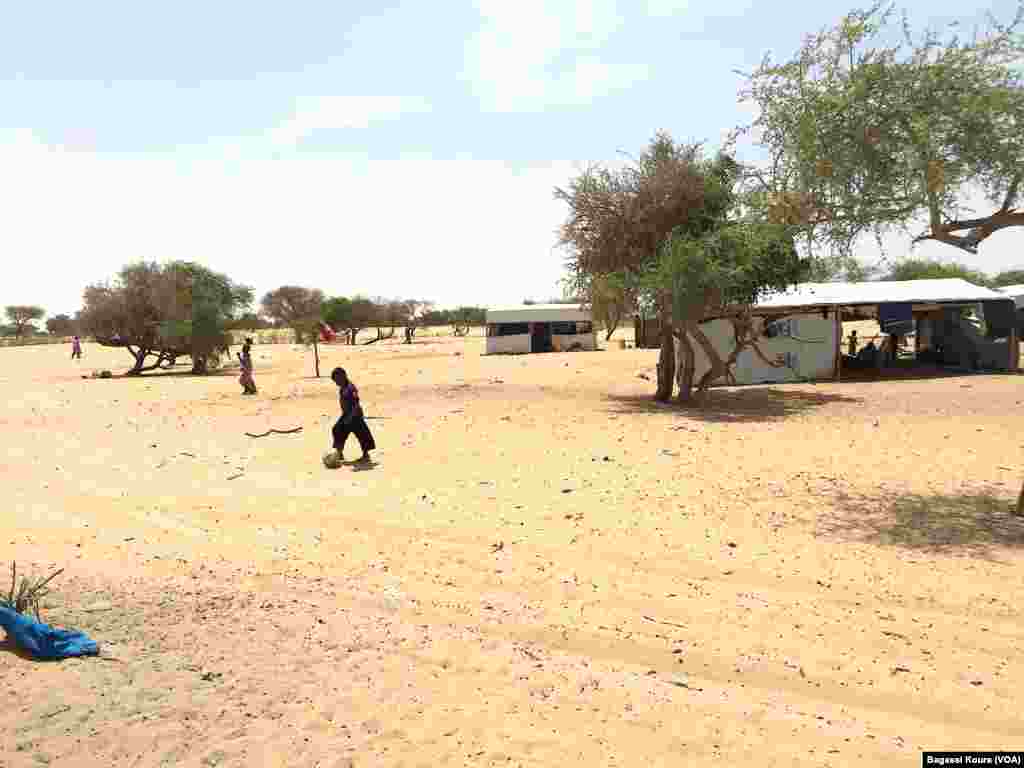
[(953, 322)]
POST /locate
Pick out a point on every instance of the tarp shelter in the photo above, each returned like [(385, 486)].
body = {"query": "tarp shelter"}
[(539, 328), (1016, 292), (802, 327)]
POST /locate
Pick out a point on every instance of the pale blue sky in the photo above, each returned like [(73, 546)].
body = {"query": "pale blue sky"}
[(404, 150)]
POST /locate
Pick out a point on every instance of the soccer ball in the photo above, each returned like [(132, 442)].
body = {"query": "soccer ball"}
[(332, 459)]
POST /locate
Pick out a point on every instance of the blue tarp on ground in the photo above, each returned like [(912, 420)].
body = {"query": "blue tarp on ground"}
[(42, 640)]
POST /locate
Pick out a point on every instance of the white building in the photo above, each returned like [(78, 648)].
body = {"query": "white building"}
[(539, 328)]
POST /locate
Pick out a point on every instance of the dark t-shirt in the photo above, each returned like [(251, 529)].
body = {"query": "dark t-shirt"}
[(349, 397)]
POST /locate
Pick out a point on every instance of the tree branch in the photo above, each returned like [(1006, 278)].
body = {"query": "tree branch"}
[(979, 229)]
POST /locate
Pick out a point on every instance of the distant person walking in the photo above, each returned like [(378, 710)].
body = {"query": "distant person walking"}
[(76, 348), (352, 419), (245, 360)]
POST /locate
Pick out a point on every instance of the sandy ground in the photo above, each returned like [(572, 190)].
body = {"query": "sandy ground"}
[(543, 568)]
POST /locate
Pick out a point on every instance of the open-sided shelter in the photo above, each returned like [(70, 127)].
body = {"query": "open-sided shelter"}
[(802, 328), (539, 328), (1016, 292)]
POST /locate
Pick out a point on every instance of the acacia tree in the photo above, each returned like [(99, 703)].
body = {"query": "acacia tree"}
[(870, 131), (415, 312), (619, 219), (165, 312), (364, 314), (199, 306), (61, 325), (721, 273), (465, 317), (611, 298), (337, 312), (294, 307), (390, 315), (23, 317)]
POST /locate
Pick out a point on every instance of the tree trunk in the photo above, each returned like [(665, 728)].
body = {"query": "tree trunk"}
[(688, 368), (611, 323), (140, 359), (717, 369), (666, 364), (316, 356)]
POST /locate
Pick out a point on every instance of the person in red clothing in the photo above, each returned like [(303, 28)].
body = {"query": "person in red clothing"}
[(352, 419)]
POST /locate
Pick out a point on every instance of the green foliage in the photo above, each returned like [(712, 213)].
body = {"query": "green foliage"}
[(295, 307), (249, 321), (726, 269), (337, 312), (925, 269), (202, 306), (181, 308), (611, 297), (618, 219), (1009, 277), (675, 233), (868, 136)]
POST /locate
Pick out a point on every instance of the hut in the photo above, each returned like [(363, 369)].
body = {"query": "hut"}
[(954, 324), (539, 328)]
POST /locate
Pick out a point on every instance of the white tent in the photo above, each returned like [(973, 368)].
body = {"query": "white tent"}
[(945, 291), (539, 328)]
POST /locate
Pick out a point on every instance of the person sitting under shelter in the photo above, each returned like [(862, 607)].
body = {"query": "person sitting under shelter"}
[(867, 357)]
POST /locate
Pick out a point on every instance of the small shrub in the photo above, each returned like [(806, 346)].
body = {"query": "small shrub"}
[(28, 594)]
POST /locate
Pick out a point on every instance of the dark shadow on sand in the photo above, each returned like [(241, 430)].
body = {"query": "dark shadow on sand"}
[(975, 523), (742, 404), (911, 370), (360, 466), (165, 374)]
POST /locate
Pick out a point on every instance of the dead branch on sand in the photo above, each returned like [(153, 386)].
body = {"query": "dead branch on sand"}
[(275, 432)]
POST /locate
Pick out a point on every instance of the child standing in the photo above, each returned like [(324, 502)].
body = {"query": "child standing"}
[(245, 360)]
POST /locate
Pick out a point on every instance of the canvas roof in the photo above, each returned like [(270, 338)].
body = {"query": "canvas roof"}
[(1016, 291), (524, 313), (946, 291)]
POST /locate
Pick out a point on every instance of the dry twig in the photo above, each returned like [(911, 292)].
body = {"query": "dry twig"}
[(27, 594)]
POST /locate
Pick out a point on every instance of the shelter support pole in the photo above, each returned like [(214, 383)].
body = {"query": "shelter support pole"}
[(839, 343), (1014, 351)]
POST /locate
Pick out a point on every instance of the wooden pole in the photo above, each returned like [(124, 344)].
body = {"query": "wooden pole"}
[(839, 343), (1014, 350)]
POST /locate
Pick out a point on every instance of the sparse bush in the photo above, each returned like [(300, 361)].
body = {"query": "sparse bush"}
[(28, 594)]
